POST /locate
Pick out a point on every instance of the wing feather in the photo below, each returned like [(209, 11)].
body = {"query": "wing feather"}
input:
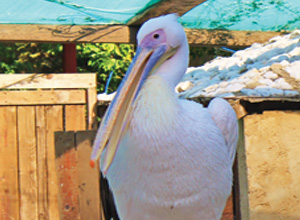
[(225, 118)]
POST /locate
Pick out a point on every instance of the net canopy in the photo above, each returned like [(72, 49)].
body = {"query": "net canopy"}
[(250, 15), (77, 12)]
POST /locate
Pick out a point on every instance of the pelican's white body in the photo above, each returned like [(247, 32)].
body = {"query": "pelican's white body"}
[(173, 162)]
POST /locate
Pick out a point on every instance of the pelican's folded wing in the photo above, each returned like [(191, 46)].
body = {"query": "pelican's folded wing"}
[(225, 118)]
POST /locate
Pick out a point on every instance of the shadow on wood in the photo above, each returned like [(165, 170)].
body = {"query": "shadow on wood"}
[(78, 183)]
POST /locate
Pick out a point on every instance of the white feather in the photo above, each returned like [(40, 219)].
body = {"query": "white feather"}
[(175, 160), (225, 117)]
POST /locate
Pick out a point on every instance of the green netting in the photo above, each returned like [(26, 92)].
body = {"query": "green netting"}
[(254, 15), (78, 12)]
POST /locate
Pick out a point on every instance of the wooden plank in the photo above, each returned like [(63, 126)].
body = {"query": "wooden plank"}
[(9, 183), (228, 210), (228, 38), (66, 161), (75, 117), (242, 203), (92, 108), (47, 81), (42, 163), (236, 193), (42, 97), (165, 7), (54, 122), (272, 152), (27, 163), (125, 34), (67, 33), (89, 195), (239, 109), (66, 166)]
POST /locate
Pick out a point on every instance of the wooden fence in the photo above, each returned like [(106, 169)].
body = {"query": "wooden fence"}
[(45, 148), (32, 108)]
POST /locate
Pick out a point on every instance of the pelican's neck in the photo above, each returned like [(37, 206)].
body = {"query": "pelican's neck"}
[(155, 109), (173, 69)]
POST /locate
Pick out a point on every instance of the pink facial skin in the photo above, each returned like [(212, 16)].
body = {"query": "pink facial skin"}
[(154, 39)]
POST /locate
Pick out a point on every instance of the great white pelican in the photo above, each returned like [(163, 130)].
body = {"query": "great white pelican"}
[(165, 158)]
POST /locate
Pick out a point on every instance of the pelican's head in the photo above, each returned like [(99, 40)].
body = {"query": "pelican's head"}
[(161, 30), (162, 49), (166, 33)]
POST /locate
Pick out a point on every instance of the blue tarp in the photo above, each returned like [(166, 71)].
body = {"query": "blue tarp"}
[(254, 15)]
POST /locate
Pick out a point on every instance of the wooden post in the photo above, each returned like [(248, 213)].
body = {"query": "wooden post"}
[(69, 58)]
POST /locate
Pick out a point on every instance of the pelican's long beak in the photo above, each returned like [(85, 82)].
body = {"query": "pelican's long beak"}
[(116, 119)]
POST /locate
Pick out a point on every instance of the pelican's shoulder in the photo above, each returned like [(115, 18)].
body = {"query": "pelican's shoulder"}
[(226, 119), (192, 107), (198, 119)]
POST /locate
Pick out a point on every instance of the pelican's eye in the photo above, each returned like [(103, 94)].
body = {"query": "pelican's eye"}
[(156, 36)]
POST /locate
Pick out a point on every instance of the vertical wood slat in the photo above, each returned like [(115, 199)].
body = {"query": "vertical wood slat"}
[(236, 189), (89, 192), (66, 168), (72, 163), (42, 163), (92, 108), (75, 117), (27, 163), (9, 187), (242, 202), (54, 122), (66, 162)]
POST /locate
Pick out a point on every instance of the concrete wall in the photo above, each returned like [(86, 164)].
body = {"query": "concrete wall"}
[(272, 149)]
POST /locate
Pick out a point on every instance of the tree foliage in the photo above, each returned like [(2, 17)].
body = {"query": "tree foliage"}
[(105, 59), (102, 58), (30, 58), (47, 58)]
